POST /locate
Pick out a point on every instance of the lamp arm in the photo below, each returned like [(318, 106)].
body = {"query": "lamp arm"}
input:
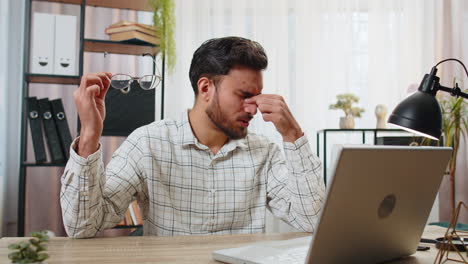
[(455, 91)]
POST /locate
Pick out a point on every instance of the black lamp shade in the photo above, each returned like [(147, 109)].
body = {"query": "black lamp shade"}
[(421, 113)]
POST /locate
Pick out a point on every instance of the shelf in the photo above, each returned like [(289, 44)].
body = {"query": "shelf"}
[(50, 78), (26, 164), (116, 47), (127, 226), (138, 5), (362, 130)]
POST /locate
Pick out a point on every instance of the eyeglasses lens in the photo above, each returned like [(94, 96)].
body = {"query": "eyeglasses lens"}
[(149, 82), (120, 81)]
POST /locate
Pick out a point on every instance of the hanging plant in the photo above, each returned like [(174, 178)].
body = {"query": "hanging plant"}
[(164, 22)]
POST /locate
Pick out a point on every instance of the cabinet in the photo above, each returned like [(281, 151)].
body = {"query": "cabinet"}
[(85, 45)]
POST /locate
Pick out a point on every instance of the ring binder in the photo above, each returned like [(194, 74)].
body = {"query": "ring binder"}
[(35, 124), (53, 141), (62, 126)]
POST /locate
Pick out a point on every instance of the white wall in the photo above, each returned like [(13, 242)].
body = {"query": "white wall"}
[(11, 64)]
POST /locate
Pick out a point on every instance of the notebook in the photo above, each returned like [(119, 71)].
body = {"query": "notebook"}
[(377, 205)]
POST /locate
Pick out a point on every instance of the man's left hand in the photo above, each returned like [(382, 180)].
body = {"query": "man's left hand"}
[(274, 109)]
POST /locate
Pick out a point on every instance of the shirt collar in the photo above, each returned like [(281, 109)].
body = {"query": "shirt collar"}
[(187, 138)]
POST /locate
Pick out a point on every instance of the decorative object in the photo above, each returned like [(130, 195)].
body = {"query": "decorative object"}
[(381, 113), (345, 102), (32, 251), (164, 22), (453, 240), (420, 113)]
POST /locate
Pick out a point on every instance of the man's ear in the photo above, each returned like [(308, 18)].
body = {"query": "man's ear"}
[(205, 89)]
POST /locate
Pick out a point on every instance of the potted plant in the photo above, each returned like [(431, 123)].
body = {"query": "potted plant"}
[(32, 251), (345, 102), (164, 22), (454, 126)]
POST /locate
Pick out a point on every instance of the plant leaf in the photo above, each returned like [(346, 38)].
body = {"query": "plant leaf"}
[(13, 246)]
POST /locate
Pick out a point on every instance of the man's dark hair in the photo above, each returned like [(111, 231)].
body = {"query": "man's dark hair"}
[(219, 55)]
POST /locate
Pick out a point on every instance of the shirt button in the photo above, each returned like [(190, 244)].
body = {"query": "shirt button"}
[(84, 193), (213, 191)]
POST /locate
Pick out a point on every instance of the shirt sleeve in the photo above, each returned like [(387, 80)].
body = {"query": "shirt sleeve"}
[(296, 189), (93, 198)]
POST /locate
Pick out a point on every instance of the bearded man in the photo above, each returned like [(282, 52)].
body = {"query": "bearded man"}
[(204, 173)]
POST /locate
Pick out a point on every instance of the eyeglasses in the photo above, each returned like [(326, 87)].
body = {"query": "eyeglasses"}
[(123, 81)]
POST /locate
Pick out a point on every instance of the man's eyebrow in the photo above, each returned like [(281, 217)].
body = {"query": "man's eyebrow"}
[(248, 94)]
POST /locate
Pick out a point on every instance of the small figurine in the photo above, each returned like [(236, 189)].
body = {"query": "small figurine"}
[(381, 113)]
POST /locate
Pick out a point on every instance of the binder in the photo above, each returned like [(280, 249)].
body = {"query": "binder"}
[(65, 45), (53, 141), (61, 122), (35, 124), (43, 31)]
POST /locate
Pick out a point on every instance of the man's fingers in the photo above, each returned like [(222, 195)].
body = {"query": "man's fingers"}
[(106, 83), (90, 79), (266, 108), (93, 91)]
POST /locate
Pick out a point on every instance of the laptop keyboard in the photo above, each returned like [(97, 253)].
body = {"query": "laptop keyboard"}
[(290, 256)]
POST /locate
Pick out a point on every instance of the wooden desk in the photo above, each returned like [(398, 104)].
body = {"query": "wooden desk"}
[(180, 249)]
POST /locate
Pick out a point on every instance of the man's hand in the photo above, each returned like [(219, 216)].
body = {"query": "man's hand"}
[(274, 109), (89, 100)]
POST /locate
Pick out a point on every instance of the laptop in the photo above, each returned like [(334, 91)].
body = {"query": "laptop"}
[(377, 205)]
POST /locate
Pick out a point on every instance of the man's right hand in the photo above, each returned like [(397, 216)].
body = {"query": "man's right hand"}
[(89, 100)]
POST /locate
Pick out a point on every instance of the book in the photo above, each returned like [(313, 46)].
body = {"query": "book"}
[(62, 126), (134, 36), (52, 138), (138, 215), (145, 30), (128, 218), (35, 124), (132, 214), (129, 23)]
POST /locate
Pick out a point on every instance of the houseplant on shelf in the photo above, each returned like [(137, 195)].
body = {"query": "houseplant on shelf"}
[(32, 251), (345, 102), (164, 22)]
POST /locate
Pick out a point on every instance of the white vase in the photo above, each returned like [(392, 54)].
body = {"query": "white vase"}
[(347, 122)]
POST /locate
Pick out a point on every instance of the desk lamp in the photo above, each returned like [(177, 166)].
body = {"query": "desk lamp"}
[(420, 113)]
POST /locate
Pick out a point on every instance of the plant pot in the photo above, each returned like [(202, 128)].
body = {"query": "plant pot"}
[(347, 122)]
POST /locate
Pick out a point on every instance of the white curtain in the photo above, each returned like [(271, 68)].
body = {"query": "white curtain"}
[(11, 69), (320, 48)]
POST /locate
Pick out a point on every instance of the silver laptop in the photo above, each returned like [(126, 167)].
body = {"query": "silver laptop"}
[(378, 201)]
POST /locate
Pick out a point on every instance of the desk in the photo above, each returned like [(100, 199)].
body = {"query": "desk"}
[(178, 250)]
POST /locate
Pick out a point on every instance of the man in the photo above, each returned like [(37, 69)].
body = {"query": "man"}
[(203, 173)]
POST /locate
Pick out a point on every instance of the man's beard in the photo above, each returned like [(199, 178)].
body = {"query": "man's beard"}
[(220, 119)]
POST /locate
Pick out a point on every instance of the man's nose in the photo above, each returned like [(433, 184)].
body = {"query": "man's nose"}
[(250, 108)]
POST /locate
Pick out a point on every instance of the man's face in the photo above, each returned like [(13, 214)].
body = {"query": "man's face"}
[(227, 109)]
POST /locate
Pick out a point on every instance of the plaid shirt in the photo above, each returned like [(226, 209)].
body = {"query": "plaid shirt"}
[(183, 188)]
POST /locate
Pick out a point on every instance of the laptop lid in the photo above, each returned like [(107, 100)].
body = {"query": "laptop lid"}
[(378, 202)]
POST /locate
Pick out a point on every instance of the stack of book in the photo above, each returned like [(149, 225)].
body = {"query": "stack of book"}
[(132, 32), (133, 216)]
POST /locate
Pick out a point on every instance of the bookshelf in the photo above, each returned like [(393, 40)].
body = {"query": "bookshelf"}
[(71, 82)]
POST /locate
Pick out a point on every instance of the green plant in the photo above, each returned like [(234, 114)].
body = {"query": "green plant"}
[(345, 102), (164, 22), (454, 125), (32, 251)]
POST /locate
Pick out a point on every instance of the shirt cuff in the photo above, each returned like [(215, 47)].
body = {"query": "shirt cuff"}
[(300, 155), (299, 144), (81, 160)]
